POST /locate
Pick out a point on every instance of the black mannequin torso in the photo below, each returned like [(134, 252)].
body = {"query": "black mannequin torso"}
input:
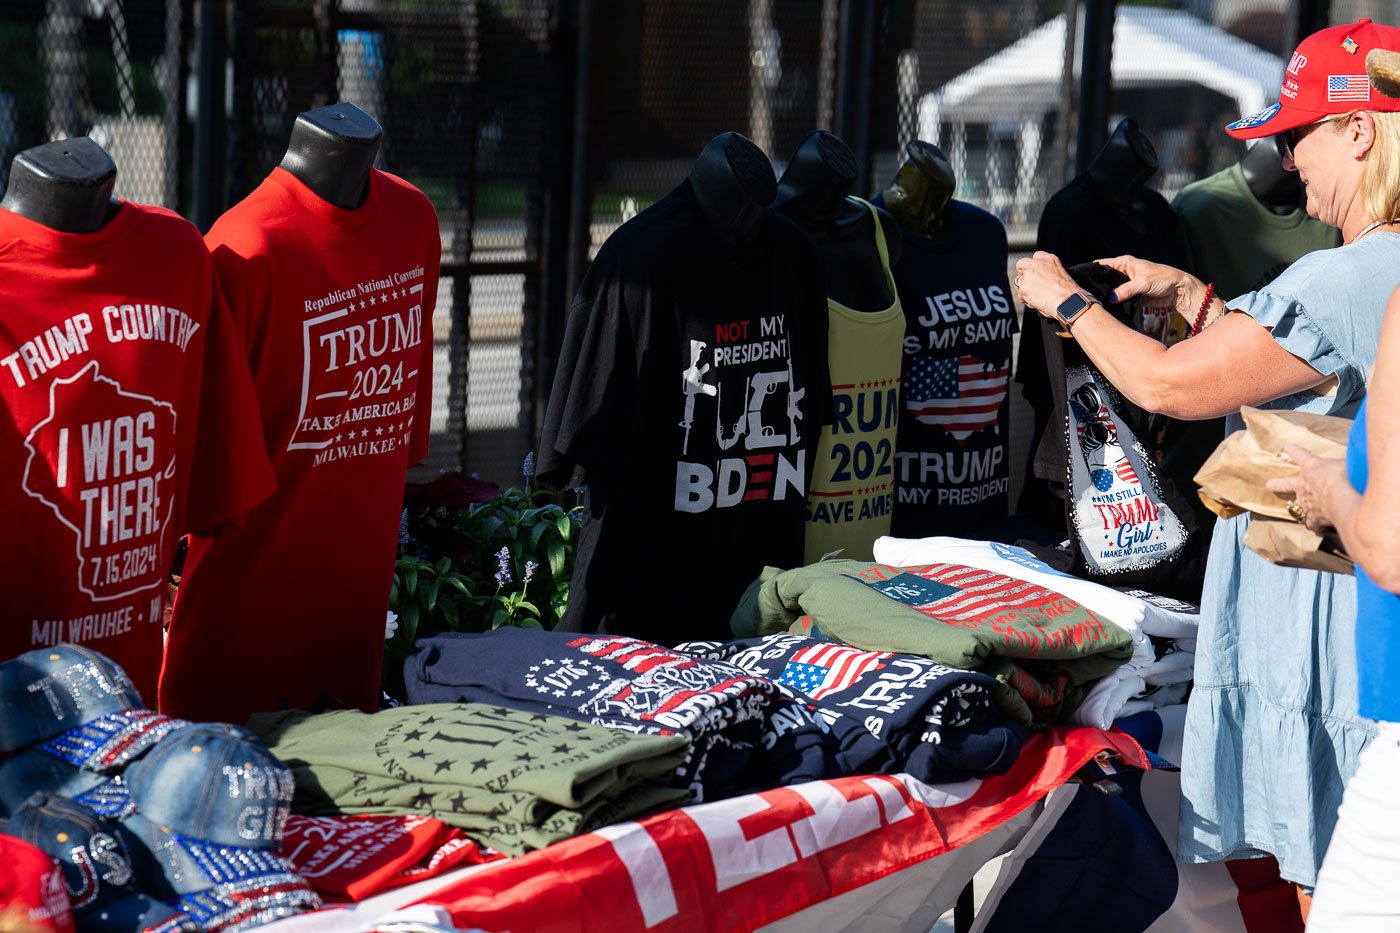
[(918, 199), (1122, 167), (734, 185), (812, 192), (332, 150), (64, 185), (1274, 186)]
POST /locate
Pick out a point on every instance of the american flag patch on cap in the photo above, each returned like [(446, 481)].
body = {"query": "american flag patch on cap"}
[(1348, 87)]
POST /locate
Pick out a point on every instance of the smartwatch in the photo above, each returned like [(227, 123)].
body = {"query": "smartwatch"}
[(1072, 307)]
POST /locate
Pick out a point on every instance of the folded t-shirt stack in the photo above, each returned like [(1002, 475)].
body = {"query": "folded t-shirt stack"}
[(513, 780), (1168, 674), (888, 713), (1042, 645), (729, 714), (1162, 631)]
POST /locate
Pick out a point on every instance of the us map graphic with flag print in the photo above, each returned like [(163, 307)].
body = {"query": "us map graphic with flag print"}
[(963, 394)]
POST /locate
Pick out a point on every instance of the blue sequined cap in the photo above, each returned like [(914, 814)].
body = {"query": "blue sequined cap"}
[(109, 742)]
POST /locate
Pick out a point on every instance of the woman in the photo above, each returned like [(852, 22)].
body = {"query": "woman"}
[(1272, 730), (1356, 888), (1360, 498)]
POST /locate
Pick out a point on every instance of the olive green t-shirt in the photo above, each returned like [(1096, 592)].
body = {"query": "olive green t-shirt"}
[(513, 780), (1238, 243), (1040, 644)]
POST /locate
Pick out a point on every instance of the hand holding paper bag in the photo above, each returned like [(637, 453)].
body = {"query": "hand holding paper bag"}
[(1320, 478), (1235, 479)]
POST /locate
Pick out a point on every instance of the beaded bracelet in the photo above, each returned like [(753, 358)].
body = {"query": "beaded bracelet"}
[(1201, 314)]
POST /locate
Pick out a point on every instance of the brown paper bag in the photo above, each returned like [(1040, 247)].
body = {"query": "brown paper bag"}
[(1291, 544), (1233, 478)]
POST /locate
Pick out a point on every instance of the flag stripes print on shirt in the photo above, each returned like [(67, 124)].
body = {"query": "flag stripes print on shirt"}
[(963, 394), (644, 657), (1126, 473), (824, 669), (980, 591)]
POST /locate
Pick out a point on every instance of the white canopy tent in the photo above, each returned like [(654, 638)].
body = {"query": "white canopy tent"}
[(1151, 47)]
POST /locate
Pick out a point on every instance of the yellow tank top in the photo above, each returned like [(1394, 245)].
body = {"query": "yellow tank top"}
[(852, 490)]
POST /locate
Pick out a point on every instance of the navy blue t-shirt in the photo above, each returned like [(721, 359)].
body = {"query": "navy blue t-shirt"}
[(951, 471), (887, 712)]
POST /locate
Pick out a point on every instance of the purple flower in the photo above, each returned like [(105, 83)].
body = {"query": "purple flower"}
[(503, 561), (529, 571)]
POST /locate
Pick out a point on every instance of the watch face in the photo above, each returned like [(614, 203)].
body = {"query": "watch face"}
[(1071, 307)]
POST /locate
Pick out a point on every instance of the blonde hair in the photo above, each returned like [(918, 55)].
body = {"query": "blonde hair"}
[(1380, 176)]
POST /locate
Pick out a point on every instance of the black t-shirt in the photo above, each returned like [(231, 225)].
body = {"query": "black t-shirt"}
[(951, 463), (1080, 224), (689, 399)]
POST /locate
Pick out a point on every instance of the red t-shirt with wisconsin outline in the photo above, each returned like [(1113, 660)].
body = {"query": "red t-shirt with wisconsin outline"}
[(130, 421), (335, 309)]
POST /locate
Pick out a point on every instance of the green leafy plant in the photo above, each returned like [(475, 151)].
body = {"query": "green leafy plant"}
[(525, 545), (474, 557), (426, 597)]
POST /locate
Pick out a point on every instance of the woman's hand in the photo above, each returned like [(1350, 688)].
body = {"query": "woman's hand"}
[(1042, 283), (1158, 284), (1316, 489)]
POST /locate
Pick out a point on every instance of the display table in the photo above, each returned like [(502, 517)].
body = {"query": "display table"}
[(820, 855)]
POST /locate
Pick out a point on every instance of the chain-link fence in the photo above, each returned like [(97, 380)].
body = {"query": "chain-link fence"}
[(537, 126), (108, 69)]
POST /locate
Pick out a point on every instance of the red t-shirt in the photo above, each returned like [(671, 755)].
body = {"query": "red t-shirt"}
[(130, 421), (335, 309)]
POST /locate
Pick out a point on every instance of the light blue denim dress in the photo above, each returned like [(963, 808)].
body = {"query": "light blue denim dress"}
[(1272, 730)]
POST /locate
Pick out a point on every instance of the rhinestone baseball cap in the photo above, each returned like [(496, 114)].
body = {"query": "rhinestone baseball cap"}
[(208, 805), (48, 691), (95, 856)]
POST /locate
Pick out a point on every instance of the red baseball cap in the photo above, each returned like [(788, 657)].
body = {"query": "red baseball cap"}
[(1325, 76)]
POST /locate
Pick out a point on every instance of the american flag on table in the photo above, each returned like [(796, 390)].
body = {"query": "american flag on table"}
[(963, 394), (1348, 87), (823, 669)]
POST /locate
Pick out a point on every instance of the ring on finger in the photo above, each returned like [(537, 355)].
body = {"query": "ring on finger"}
[(1017, 283), (1296, 510)]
